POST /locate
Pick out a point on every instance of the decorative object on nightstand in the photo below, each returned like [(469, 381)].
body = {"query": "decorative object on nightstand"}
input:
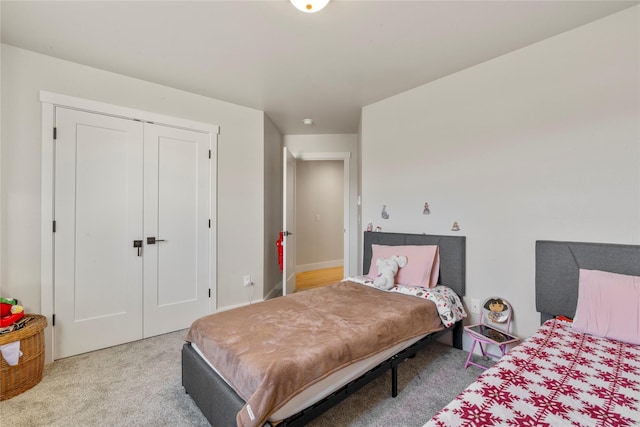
[(493, 329)]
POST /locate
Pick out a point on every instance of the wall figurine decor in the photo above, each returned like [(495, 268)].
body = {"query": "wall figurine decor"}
[(385, 214), (425, 210)]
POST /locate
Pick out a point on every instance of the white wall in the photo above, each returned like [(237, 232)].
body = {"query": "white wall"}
[(240, 216), (319, 214), (542, 143), (336, 143)]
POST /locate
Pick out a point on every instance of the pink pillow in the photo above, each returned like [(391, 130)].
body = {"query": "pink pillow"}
[(423, 264), (608, 306)]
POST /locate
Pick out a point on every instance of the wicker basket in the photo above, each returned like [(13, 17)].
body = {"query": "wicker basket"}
[(28, 372)]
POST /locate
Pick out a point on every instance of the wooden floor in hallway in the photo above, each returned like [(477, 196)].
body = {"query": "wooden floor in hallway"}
[(317, 278)]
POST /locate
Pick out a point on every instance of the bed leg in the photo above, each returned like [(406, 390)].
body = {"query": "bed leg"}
[(457, 335), (394, 381)]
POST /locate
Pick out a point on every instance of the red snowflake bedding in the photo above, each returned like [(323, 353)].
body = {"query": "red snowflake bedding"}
[(557, 377)]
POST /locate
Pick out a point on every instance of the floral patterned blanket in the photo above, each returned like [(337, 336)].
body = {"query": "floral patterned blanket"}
[(447, 302), (557, 377)]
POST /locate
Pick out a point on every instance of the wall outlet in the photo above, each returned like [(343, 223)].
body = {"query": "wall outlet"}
[(246, 281), (475, 306)]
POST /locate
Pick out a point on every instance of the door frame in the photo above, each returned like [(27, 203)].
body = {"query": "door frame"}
[(49, 102), (289, 233), (346, 158)]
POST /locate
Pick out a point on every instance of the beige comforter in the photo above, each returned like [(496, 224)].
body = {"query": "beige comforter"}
[(273, 350)]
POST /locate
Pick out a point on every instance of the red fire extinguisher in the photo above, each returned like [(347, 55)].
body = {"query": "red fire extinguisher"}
[(280, 251)]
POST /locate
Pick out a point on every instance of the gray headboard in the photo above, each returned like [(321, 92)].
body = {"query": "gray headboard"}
[(452, 254), (558, 267)]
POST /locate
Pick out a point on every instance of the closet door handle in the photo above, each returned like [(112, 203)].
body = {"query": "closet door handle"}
[(138, 244), (153, 240)]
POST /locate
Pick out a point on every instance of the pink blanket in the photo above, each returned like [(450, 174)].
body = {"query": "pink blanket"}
[(273, 350)]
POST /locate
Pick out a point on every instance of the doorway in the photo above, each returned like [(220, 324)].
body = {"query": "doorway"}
[(319, 225), (290, 197)]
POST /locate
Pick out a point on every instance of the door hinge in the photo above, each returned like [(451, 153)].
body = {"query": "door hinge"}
[(209, 223), (54, 226), (53, 320), (55, 133), (209, 292), (209, 153)]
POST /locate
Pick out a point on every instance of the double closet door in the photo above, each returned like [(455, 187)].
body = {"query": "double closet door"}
[(132, 230)]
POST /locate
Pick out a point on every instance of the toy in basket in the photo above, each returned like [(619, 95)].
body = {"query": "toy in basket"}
[(10, 312)]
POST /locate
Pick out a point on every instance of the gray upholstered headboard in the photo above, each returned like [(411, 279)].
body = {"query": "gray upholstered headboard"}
[(558, 267), (452, 254)]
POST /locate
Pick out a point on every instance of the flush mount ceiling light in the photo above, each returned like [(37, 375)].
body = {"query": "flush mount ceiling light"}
[(309, 6), (307, 122)]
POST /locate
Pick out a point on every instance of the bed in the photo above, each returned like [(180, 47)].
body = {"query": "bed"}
[(350, 364), (580, 373)]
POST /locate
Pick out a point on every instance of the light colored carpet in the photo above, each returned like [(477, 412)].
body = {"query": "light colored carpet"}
[(426, 384), (139, 384)]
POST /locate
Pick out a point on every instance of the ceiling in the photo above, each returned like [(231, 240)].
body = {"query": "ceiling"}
[(269, 56)]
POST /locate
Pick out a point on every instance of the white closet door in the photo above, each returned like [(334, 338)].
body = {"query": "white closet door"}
[(177, 212), (98, 214)]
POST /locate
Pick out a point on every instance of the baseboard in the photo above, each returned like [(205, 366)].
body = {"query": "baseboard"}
[(231, 307), (319, 265), (275, 292)]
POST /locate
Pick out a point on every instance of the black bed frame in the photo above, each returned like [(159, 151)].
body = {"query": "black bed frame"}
[(558, 267), (218, 401)]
